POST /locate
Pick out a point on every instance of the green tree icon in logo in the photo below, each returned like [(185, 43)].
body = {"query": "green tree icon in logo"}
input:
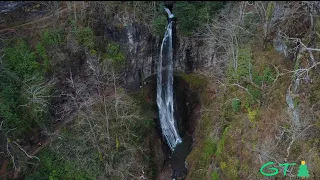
[(303, 170)]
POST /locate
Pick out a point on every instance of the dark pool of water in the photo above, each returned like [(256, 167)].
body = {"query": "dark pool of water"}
[(178, 157)]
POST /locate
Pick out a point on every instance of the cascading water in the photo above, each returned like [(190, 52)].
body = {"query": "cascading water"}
[(165, 88)]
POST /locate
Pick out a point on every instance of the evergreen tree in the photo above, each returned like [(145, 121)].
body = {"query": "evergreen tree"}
[(303, 171)]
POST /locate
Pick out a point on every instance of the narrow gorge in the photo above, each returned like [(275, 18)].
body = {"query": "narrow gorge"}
[(159, 90)]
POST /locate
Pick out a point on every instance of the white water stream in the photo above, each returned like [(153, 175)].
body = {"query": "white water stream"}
[(165, 89)]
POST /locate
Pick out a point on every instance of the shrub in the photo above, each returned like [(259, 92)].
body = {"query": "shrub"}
[(223, 165), (19, 73), (193, 14), (247, 75), (35, 97), (215, 176), (268, 75), (41, 50), (51, 37), (231, 168), (21, 60), (53, 167), (159, 25), (85, 37), (236, 104), (114, 54), (252, 114), (48, 39), (256, 95), (123, 149), (244, 63)]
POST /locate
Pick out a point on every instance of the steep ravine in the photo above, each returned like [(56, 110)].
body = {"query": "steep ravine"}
[(231, 141), (141, 49), (187, 112), (142, 54)]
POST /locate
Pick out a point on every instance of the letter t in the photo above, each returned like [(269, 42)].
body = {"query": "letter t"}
[(286, 166)]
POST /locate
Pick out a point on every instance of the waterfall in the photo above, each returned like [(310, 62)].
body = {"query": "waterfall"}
[(165, 88)]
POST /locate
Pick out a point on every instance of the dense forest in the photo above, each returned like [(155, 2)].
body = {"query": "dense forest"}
[(78, 89)]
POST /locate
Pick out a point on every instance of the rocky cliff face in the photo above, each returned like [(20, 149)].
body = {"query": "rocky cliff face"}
[(136, 40), (142, 50)]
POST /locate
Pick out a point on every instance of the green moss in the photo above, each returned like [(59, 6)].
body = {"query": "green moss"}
[(220, 148), (210, 147), (231, 168), (252, 115), (196, 81), (202, 154), (223, 165), (215, 176)]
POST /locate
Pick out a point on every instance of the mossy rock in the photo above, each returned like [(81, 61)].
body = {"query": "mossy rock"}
[(196, 81)]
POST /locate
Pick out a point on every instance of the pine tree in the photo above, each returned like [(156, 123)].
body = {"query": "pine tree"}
[(303, 171)]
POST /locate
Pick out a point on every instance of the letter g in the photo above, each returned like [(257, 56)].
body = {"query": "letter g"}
[(269, 174)]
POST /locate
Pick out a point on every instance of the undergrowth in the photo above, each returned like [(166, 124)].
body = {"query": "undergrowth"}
[(20, 73)]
